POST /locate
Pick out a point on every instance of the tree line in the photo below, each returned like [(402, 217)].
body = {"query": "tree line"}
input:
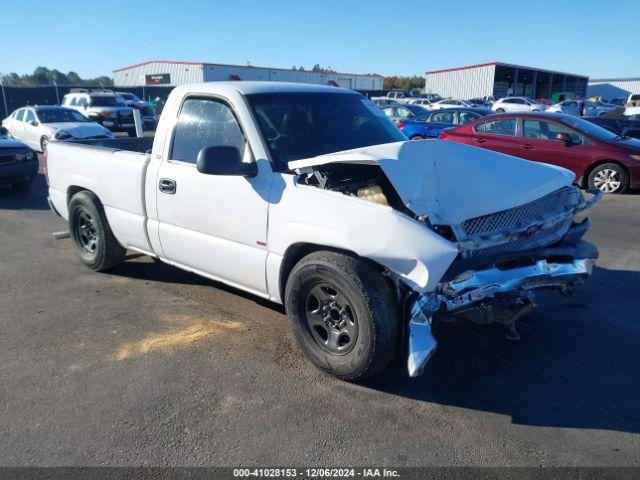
[(403, 83), (44, 76)]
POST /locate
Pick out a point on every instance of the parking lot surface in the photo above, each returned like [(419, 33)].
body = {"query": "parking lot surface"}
[(150, 365)]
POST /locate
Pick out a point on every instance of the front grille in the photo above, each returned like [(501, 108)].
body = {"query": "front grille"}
[(554, 205)]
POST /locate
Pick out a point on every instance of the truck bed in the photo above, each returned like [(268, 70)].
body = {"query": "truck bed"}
[(114, 170), (130, 144)]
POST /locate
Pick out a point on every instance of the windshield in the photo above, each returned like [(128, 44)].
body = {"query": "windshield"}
[(589, 129), (304, 125), (60, 115), (105, 101)]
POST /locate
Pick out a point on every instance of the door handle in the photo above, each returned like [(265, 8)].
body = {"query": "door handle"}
[(167, 185), (527, 146), (480, 140)]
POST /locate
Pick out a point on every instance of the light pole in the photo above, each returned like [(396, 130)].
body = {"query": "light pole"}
[(4, 98)]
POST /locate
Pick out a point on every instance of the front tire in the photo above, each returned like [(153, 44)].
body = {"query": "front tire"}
[(343, 314), (97, 247), (609, 178)]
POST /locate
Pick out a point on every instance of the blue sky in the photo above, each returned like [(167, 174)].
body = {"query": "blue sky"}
[(593, 37)]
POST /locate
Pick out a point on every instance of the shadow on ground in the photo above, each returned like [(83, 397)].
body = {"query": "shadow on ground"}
[(577, 367)]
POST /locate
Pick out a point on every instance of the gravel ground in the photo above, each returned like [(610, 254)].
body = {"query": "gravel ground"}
[(149, 365)]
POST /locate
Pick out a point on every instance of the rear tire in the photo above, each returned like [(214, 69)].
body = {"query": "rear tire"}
[(97, 247), (343, 314), (609, 178)]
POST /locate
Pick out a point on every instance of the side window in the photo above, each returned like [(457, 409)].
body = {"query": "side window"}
[(29, 116), (518, 101), (388, 111), (442, 117), (20, 115), (403, 112), (505, 126), (541, 130), (466, 117), (204, 123), (74, 101), (82, 102)]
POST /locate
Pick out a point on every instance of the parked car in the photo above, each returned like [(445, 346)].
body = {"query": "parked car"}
[(619, 101), (631, 111), (18, 163), (416, 109), (383, 102), (624, 126), (423, 102), (146, 112), (599, 159), (570, 107), (633, 100), (306, 195), (480, 102), (431, 124), (398, 112), (517, 104), (591, 109), (543, 101), (38, 125), (450, 103), (103, 107)]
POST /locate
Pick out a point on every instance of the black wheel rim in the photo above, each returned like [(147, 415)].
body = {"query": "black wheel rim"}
[(330, 318), (86, 235)]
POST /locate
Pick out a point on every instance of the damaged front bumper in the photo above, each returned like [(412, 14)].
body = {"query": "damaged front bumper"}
[(483, 291)]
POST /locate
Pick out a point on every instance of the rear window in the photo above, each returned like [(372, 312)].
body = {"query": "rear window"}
[(105, 101), (506, 126)]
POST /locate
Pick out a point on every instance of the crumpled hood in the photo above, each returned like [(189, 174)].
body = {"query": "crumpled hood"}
[(452, 182), (79, 129)]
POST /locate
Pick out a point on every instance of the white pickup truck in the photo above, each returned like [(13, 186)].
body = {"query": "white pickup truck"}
[(308, 196)]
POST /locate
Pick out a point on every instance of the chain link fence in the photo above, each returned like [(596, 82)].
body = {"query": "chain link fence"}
[(14, 97)]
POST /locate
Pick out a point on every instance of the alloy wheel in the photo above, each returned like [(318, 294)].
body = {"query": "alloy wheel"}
[(86, 232)]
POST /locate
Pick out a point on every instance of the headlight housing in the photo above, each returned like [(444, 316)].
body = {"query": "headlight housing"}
[(20, 156), (62, 135), (30, 155)]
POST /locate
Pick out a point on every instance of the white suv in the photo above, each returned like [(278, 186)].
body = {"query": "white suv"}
[(517, 104), (104, 107)]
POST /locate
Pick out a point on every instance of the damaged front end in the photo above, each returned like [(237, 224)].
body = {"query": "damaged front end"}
[(503, 258)]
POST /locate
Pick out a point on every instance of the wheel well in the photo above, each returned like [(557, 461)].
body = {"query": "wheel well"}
[(585, 177), (297, 252), (73, 189)]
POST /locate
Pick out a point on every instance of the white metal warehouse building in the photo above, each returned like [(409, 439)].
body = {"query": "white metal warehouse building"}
[(501, 80), (172, 73), (609, 88)]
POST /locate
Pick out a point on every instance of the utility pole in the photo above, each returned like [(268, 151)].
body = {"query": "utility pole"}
[(4, 98)]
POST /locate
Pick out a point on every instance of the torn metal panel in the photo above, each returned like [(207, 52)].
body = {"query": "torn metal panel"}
[(451, 182)]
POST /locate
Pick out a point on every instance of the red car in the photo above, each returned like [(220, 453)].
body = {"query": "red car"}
[(600, 159)]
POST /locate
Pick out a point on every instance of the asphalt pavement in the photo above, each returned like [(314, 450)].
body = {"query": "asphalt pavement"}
[(150, 365)]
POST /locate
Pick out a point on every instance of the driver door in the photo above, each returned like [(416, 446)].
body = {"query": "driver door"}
[(212, 224), (30, 135)]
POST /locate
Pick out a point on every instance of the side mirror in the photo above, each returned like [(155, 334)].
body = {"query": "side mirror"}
[(224, 160), (564, 137)]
